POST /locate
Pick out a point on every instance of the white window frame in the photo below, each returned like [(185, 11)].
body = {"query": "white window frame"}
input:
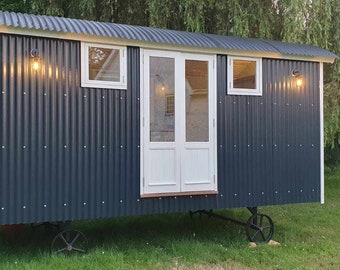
[(85, 80), (258, 77)]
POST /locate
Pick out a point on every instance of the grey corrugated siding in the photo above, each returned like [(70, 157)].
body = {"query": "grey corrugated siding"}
[(70, 153), (67, 152), (269, 146), (148, 34)]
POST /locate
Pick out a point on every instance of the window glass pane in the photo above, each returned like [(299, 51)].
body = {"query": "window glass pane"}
[(244, 74), (196, 101), (162, 99), (104, 64)]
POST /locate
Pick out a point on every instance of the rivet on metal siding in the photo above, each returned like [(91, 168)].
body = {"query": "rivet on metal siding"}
[(138, 98), (261, 145), (121, 98), (65, 204), (24, 146), (103, 146), (24, 207), (159, 198), (220, 102), (65, 146), (103, 96), (312, 145), (121, 146), (313, 189), (235, 194), (84, 203), (121, 201), (3, 147), (45, 94), (138, 200), (301, 190), (103, 202), (24, 93), (275, 144), (175, 198), (206, 196), (3, 92), (138, 146), (190, 197), (234, 102), (312, 105), (248, 102), (287, 104), (300, 104), (234, 145), (221, 195), (288, 191), (300, 145), (249, 193), (288, 145), (221, 145), (65, 95), (84, 146), (2, 208), (248, 145), (261, 103), (84, 96), (45, 146), (45, 205), (262, 193), (276, 192)]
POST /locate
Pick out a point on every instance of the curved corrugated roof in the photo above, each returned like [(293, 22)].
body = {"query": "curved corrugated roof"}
[(149, 34)]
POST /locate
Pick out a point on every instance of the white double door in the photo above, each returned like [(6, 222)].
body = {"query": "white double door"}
[(178, 123)]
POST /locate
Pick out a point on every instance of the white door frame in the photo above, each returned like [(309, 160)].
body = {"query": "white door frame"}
[(180, 144)]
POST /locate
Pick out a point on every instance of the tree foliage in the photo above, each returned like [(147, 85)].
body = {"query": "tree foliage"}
[(315, 22)]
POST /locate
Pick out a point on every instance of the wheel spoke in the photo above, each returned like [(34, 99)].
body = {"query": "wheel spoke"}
[(254, 235), (62, 237), (263, 237), (60, 250), (79, 250), (75, 239)]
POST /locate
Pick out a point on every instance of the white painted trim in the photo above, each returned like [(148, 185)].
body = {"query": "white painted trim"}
[(142, 121), (240, 91), (322, 175), (85, 80), (159, 46)]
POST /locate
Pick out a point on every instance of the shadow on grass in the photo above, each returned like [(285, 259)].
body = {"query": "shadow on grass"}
[(129, 233)]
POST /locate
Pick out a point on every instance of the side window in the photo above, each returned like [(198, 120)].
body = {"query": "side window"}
[(103, 66), (244, 76)]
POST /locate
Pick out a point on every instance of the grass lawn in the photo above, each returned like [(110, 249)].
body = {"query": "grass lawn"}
[(309, 235)]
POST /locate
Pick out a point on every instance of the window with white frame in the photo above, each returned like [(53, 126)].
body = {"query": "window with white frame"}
[(103, 66), (244, 76)]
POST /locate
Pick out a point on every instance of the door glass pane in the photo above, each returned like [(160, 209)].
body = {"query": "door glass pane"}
[(162, 99), (196, 101)]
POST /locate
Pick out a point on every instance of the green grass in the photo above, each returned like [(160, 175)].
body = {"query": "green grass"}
[(309, 235)]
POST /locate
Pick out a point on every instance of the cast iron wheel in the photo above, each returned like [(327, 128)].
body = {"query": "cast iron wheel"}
[(69, 242), (260, 228)]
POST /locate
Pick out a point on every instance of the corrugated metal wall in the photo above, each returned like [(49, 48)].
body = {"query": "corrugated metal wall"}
[(71, 153), (63, 147), (269, 146)]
